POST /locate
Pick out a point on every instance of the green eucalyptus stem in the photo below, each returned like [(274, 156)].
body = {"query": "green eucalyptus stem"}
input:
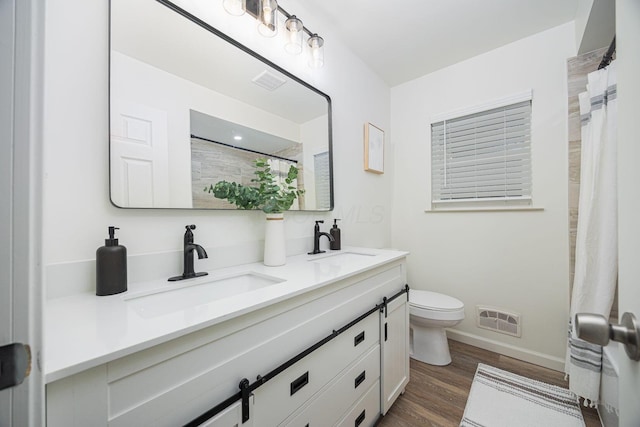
[(265, 194)]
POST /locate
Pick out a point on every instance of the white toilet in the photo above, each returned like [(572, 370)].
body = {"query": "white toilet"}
[(429, 314)]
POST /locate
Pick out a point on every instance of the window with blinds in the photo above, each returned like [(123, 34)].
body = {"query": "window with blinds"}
[(322, 178), (484, 156)]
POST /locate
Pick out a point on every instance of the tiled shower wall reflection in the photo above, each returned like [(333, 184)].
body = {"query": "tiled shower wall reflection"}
[(212, 162)]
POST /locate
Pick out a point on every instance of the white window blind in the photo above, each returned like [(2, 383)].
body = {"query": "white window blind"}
[(323, 190), (482, 156)]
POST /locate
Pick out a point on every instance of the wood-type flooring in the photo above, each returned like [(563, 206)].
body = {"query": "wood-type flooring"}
[(436, 395)]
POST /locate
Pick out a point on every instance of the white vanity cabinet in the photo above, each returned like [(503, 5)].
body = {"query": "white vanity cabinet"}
[(394, 338), (350, 379), (343, 395), (329, 371)]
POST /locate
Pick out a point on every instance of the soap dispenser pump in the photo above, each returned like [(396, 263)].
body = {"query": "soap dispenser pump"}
[(335, 244), (111, 266)]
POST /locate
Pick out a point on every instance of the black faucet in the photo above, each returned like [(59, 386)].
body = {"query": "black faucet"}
[(316, 238), (189, 247)]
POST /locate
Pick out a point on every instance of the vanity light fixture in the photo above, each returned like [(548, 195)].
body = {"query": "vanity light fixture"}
[(316, 44), (234, 7), (266, 13), (294, 32), (268, 18)]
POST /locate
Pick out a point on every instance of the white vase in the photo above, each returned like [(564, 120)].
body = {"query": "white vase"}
[(275, 253)]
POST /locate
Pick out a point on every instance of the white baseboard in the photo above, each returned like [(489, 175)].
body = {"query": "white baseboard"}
[(540, 359)]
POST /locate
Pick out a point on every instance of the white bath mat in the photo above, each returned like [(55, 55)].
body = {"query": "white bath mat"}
[(502, 399)]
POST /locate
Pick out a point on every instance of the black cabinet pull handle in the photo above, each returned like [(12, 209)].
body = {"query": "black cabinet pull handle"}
[(359, 379), (358, 338), (299, 382), (385, 331), (360, 418)]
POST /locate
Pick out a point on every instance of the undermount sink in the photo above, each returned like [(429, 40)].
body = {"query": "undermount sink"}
[(196, 292), (341, 258)]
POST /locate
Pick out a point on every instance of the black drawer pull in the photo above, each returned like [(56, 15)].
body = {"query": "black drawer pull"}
[(299, 382), (358, 339), (385, 331), (360, 418), (359, 379)]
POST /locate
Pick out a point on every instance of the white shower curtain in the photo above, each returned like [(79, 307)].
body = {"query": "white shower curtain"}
[(596, 265)]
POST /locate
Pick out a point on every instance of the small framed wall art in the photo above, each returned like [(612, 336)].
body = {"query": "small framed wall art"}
[(373, 148)]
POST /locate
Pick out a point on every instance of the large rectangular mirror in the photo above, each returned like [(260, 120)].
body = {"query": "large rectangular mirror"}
[(190, 107)]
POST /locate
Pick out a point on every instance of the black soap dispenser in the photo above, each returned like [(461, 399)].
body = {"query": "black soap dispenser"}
[(111, 266), (335, 244)]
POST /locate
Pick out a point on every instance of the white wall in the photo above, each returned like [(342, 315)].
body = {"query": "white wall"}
[(77, 210), (513, 260), (582, 19), (595, 24)]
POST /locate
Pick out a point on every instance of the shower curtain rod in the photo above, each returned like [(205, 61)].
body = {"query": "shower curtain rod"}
[(606, 59), (273, 156)]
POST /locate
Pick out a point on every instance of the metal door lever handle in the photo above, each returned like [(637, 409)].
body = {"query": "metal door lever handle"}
[(595, 329)]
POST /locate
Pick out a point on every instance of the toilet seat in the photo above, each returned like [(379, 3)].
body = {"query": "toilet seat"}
[(434, 301)]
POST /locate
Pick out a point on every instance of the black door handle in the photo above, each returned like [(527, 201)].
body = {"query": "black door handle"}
[(359, 379)]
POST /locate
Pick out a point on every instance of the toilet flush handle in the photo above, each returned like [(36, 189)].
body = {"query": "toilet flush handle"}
[(595, 329)]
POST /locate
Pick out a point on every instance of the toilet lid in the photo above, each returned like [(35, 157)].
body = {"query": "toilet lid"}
[(434, 301)]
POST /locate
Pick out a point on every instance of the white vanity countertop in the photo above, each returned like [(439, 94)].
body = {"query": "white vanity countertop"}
[(83, 331)]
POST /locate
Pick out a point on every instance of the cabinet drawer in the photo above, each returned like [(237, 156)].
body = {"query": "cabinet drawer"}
[(366, 411), (286, 392), (230, 417), (340, 394)]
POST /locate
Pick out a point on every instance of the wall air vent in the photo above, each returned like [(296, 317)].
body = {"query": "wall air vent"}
[(268, 80), (498, 320)]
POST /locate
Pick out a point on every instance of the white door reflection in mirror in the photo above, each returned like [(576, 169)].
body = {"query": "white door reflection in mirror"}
[(139, 156)]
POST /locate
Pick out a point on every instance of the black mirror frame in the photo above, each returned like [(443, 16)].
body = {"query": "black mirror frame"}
[(242, 47)]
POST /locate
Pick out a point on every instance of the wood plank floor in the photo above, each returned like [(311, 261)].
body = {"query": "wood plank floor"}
[(436, 395)]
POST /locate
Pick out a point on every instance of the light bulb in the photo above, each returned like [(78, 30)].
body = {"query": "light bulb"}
[(316, 43), (268, 19)]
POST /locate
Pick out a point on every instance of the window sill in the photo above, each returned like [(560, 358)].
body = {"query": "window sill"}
[(485, 209)]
